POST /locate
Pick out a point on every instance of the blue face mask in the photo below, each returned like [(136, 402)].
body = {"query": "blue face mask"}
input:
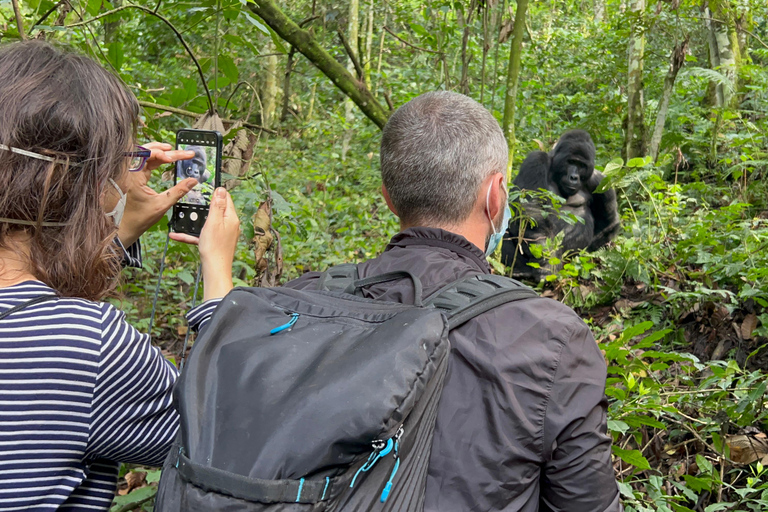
[(495, 239)]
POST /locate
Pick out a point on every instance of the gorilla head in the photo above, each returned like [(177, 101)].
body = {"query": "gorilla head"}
[(573, 162), (195, 167)]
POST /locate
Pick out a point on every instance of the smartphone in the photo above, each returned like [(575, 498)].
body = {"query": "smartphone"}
[(190, 211)]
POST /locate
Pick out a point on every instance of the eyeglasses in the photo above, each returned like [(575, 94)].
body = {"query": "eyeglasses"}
[(138, 158)]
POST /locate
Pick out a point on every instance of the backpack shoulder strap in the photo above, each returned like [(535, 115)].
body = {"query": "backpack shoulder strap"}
[(338, 278), (31, 302), (471, 296)]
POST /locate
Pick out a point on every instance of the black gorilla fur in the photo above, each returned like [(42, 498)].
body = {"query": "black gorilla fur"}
[(195, 167), (569, 172)]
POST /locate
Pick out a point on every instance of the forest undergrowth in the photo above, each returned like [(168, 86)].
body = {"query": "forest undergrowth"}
[(676, 302)]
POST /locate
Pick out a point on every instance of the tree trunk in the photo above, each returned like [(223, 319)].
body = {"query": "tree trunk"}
[(496, 39), (724, 51), (311, 108), (599, 10), (287, 85), (513, 72), (270, 88), (352, 35), (486, 11), (676, 61), (635, 141), (308, 46), (381, 57), (368, 44), (465, 56), (111, 27)]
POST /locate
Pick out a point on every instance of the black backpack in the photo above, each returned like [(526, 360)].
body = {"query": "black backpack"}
[(317, 400)]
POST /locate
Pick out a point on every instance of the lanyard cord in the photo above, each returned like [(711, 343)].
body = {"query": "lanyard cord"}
[(157, 294), (186, 336)]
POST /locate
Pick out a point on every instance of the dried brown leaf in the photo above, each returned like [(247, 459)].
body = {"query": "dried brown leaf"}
[(135, 479), (748, 326), (746, 449)]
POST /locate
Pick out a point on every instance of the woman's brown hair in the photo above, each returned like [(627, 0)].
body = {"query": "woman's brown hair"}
[(66, 106)]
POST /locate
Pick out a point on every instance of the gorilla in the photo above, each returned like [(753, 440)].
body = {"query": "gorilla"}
[(195, 168), (569, 172)]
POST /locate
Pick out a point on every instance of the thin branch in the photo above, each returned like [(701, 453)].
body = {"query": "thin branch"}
[(389, 101), (308, 21), (188, 113), (234, 91), (146, 10), (409, 44), (355, 62), (19, 20), (45, 16), (740, 29)]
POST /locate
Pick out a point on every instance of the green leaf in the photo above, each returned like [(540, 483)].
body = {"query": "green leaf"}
[(93, 7), (229, 68), (186, 276), (636, 162), (135, 496), (617, 426), (256, 23), (277, 42), (698, 484), (626, 490), (613, 165), (633, 457), (635, 330), (718, 506), (115, 55), (704, 464)]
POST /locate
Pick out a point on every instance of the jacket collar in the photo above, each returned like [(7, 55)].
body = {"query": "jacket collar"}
[(436, 237)]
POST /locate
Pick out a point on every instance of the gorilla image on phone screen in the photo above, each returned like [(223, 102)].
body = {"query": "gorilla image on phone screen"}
[(199, 167)]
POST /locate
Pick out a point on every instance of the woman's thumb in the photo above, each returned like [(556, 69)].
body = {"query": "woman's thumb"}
[(220, 200)]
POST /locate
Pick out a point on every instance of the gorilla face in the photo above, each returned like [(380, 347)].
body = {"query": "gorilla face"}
[(573, 162), (194, 168)]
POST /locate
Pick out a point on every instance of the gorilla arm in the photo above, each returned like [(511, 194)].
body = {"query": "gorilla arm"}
[(605, 212), (535, 173)]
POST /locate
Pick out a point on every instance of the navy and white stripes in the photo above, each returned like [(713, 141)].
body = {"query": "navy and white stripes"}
[(80, 390)]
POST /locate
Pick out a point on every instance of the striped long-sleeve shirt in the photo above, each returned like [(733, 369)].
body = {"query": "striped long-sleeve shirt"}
[(80, 391)]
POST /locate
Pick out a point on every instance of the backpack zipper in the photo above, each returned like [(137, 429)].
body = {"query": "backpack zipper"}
[(381, 449), (291, 322)]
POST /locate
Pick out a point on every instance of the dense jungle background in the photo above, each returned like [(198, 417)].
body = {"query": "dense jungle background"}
[(672, 92)]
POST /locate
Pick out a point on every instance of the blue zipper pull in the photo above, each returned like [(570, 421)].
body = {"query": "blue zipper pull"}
[(388, 487), (294, 317), (396, 455)]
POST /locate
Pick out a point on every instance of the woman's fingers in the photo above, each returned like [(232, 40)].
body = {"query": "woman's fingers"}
[(183, 237)]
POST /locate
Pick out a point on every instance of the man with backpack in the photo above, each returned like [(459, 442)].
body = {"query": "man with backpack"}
[(344, 409)]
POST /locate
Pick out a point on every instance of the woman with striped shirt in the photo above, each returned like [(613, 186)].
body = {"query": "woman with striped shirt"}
[(80, 389)]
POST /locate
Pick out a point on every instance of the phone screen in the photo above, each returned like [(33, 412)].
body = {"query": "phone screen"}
[(202, 167)]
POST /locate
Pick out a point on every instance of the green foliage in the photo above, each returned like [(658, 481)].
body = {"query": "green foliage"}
[(694, 237)]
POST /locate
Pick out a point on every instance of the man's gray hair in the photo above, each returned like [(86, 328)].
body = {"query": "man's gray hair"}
[(435, 152)]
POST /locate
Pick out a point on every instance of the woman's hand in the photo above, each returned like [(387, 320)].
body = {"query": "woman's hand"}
[(144, 207), (217, 243)]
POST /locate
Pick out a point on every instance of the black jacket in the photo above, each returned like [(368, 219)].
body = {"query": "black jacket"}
[(521, 424)]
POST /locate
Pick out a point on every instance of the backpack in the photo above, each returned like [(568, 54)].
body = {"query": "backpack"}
[(317, 400)]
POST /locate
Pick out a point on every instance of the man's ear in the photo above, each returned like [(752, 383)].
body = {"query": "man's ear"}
[(388, 200), (495, 196)]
